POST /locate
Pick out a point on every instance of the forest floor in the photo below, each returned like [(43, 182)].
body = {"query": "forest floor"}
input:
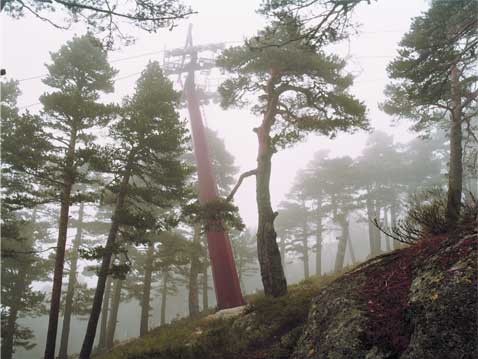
[(265, 320), (417, 302)]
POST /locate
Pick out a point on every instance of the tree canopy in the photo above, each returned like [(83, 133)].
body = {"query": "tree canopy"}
[(102, 17)]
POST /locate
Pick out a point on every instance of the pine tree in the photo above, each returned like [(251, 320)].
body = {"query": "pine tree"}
[(296, 214), (435, 79), (79, 72), (245, 254), (300, 90), (150, 140), (313, 190), (21, 266), (324, 21), (381, 173)]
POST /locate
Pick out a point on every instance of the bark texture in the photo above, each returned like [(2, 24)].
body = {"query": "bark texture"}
[(272, 273)]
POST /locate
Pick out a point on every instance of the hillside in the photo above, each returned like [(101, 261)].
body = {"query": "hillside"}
[(418, 302)]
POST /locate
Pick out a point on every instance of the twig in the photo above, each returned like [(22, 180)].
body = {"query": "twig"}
[(12, 252)]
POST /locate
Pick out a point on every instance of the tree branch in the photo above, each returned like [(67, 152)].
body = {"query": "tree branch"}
[(239, 182), (108, 12)]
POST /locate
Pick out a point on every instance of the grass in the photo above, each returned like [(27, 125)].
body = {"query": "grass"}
[(269, 328)]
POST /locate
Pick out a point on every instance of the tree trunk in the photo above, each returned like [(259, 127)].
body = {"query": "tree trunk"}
[(105, 265), (318, 240), (164, 295), (145, 306), (350, 246), (378, 234), (342, 245), (65, 332), (393, 220), (113, 316), (318, 253), (386, 226), (205, 288), (68, 181), (374, 249), (305, 246), (455, 172), (194, 272), (104, 314), (272, 273)]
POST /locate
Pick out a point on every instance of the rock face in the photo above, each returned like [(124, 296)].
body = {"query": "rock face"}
[(419, 302)]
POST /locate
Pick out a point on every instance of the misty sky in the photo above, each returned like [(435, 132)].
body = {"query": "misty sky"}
[(26, 44)]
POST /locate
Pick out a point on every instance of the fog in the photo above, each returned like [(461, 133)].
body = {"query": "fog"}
[(26, 46)]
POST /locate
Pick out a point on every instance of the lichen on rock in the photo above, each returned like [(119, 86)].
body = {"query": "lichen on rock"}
[(419, 302)]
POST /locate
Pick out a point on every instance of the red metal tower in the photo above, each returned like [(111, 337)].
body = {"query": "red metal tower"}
[(226, 281)]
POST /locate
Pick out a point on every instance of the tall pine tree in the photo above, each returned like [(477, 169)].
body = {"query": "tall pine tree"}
[(300, 90), (150, 140)]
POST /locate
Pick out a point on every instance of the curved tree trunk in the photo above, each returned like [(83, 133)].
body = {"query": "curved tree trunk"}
[(193, 274), (145, 306), (70, 292), (68, 181), (455, 172), (272, 273)]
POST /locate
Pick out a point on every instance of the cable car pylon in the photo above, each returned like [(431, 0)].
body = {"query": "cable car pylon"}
[(225, 278)]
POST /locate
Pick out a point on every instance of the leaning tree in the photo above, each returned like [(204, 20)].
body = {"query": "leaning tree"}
[(300, 89)]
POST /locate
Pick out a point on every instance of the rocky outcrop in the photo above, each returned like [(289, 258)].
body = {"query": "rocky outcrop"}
[(419, 302)]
